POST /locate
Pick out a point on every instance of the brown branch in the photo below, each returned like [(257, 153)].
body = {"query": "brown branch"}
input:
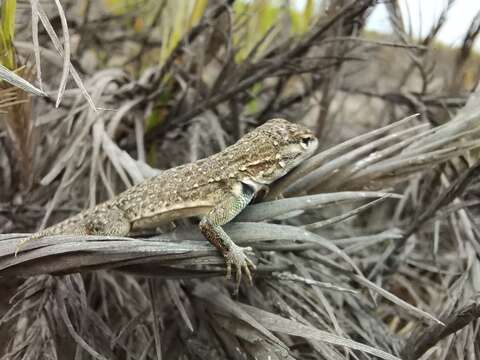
[(455, 189), (194, 32), (418, 344), (265, 68)]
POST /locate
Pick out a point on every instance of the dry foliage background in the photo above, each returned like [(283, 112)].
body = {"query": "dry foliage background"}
[(368, 250)]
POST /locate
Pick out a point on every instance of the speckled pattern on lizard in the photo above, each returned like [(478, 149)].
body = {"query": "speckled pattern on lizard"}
[(216, 188)]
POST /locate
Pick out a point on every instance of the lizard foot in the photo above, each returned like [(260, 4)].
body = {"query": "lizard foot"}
[(236, 257)]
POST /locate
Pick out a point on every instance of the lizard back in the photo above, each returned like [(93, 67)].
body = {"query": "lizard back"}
[(256, 160)]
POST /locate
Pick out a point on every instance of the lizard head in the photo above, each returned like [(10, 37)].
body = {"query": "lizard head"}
[(277, 147)]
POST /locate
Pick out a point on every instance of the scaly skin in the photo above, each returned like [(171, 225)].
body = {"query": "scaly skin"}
[(216, 188)]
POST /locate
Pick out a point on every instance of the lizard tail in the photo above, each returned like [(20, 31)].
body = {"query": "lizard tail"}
[(52, 230), (22, 242)]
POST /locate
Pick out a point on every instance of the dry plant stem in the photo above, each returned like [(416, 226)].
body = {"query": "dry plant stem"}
[(188, 39), (19, 124), (454, 190), (418, 344), (465, 53), (156, 326), (254, 73)]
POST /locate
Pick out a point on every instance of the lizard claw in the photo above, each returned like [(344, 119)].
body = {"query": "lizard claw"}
[(236, 257)]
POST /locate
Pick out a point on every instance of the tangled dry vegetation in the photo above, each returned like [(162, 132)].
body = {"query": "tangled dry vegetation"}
[(370, 249)]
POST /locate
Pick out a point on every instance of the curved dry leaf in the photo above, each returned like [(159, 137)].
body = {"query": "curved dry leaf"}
[(15, 80)]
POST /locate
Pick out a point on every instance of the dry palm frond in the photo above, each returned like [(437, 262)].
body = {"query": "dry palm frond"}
[(18, 122), (177, 255), (370, 239)]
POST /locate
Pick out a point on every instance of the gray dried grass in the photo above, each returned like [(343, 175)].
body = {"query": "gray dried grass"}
[(373, 252)]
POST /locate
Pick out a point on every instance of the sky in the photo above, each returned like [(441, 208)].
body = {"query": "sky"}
[(458, 20)]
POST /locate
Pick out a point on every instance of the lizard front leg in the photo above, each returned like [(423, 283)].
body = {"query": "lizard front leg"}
[(211, 227)]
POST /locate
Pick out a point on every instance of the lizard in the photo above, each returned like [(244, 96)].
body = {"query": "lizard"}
[(216, 188)]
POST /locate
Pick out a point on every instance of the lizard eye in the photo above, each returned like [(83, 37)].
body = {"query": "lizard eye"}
[(306, 141)]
